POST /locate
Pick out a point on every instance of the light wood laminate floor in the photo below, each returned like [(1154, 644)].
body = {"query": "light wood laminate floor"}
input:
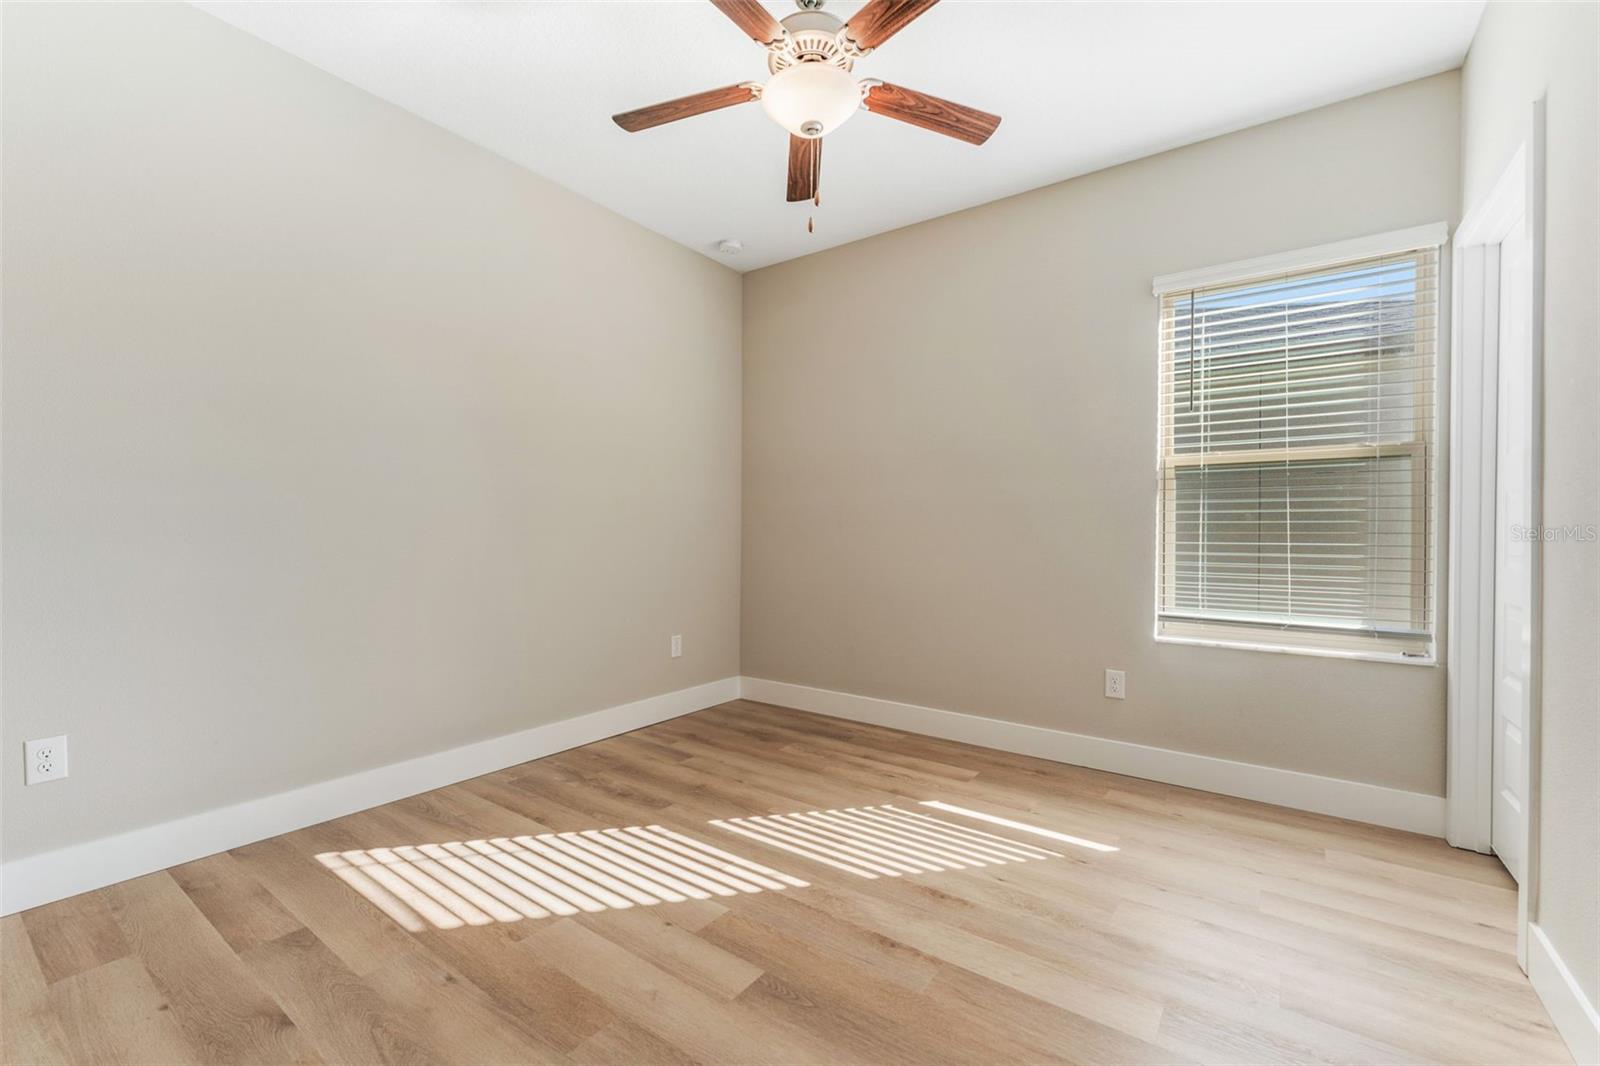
[(1219, 930)]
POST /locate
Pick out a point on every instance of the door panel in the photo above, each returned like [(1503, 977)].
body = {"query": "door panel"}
[(1513, 595)]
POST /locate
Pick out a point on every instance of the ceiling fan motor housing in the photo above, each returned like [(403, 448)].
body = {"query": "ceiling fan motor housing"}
[(811, 92), (812, 37)]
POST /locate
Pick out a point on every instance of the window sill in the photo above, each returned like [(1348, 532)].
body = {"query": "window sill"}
[(1395, 657)]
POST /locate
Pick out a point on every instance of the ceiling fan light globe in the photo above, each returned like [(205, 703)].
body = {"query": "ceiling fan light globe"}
[(811, 99)]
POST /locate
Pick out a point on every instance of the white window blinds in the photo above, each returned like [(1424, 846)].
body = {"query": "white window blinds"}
[(1297, 453)]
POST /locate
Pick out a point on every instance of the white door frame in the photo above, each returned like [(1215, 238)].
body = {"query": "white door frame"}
[(1474, 380)]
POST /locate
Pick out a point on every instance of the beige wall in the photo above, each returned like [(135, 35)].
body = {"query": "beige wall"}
[(950, 449), (329, 438), (272, 515), (1523, 51)]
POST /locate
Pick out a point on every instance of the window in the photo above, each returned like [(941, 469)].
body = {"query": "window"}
[(1297, 451)]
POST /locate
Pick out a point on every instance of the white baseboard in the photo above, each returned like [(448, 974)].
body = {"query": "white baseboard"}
[(1574, 1016), (52, 875), (1375, 804)]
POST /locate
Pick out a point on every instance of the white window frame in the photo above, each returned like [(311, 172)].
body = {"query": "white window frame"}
[(1309, 642)]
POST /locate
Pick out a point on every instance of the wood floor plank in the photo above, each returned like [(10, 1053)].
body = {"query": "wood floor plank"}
[(454, 1016), (1389, 1014), (225, 1014), (237, 906), (29, 1029), (690, 955), (336, 1010), (858, 1035), (624, 1042), (349, 925), (1057, 1035), (74, 935), (881, 1020), (695, 1023), (1216, 931), (524, 982), (115, 1013), (689, 785), (1268, 1034), (1067, 986), (862, 948)]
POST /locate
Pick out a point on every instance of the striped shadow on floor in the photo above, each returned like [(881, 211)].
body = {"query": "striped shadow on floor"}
[(888, 841), (507, 879)]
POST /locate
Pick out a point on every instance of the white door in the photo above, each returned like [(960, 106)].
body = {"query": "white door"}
[(1513, 555)]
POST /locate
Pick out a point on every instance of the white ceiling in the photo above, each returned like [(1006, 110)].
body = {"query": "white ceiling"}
[(1080, 86)]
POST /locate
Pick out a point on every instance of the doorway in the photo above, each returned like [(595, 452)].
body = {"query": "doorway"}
[(1496, 469)]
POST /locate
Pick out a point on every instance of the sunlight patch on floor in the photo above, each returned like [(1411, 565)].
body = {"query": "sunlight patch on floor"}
[(1080, 842), (888, 841), (507, 879)]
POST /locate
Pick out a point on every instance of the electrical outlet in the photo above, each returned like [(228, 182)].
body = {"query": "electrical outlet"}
[(677, 646), (47, 760), (1116, 685)]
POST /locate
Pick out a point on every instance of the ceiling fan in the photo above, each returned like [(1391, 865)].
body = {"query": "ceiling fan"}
[(811, 92)]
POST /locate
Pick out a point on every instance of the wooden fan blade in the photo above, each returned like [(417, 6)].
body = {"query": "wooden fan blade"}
[(931, 113), (683, 107), (882, 19), (752, 18), (805, 167)]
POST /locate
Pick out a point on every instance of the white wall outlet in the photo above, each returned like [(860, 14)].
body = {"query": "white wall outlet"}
[(1116, 685), (677, 646), (47, 760)]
